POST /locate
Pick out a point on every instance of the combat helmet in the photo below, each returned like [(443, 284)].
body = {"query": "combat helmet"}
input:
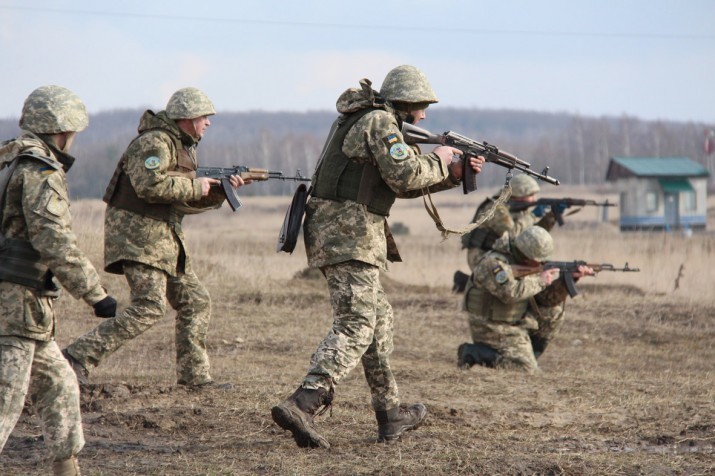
[(407, 84), (535, 243), (189, 103), (53, 110), (522, 186)]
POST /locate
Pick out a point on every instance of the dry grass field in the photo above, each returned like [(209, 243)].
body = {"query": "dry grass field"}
[(627, 388)]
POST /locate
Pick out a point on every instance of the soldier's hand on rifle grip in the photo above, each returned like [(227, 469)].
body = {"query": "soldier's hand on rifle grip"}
[(548, 276), (206, 184), (446, 153)]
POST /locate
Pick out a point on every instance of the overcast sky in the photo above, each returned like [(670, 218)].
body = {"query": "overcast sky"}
[(652, 59)]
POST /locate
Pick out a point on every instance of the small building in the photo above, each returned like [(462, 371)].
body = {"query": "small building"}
[(660, 193)]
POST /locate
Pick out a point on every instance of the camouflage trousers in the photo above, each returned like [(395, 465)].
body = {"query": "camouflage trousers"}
[(513, 342), (150, 288), (40, 368), (361, 332)]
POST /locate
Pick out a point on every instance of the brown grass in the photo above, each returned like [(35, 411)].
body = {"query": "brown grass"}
[(626, 388)]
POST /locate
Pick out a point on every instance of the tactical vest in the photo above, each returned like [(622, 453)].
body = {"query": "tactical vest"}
[(20, 263), (341, 178), (480, 302), (120, 192)]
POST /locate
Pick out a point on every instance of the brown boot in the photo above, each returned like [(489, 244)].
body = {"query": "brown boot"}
[(66, 467), (79, 369), (296, 413), (392, 423)]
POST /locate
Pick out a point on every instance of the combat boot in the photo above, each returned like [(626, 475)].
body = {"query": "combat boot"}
[(66, 467), (79, 369), (477, 354), (394, 422), (296, 413)]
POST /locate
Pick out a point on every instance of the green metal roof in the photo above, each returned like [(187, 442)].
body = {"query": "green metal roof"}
[(662, 166)]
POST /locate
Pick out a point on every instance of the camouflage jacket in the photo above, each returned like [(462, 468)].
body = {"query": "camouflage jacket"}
[(336, 232), (37, 209), (148, 162), (493, 292), (504, 220)]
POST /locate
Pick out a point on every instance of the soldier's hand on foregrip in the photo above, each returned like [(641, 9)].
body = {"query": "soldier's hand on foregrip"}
[(107, 307)]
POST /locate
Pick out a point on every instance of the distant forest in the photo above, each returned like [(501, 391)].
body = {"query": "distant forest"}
[(576, 148)]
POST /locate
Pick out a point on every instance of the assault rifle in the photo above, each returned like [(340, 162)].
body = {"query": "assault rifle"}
[(472, 148), (567, 268), (247, 173), (557, 204)]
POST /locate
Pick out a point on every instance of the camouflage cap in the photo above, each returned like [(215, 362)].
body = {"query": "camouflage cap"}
[(407, 84), (535, 243), (52, 110), (189, 103), (522, 186)]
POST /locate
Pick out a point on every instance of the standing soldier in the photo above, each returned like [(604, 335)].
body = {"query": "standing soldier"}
[(481, 239), (37, 249), (153, 187), (364, 166), (512, 319)]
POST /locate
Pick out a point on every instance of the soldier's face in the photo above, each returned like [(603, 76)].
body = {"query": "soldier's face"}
[(416, 116), (200, 125)]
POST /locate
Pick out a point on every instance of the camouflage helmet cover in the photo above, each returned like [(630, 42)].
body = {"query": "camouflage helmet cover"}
[(522, 186), (407, 84), (189, 103), (535, 243), (53, 110)]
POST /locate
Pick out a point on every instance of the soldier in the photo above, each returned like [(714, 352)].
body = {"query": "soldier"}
[(513, 319), (37, 249), (364, 166), (481, 239), (153, 187)]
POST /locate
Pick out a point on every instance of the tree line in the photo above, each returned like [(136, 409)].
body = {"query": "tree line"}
[(576, 148)]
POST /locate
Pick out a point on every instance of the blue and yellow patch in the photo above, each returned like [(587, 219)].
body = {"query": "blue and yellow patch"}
[(47, 170), (500, 275)]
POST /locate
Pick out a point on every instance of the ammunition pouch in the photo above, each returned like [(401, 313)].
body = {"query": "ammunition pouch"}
[(20, 264)]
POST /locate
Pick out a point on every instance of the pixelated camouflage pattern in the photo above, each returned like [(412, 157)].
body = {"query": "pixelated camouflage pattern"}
[(535, 243), (408, 84), (132, 237), (361, 332), (150, 289), (340, 231), (39, 368), (189, 103), (501, 314), (53, 109), (523, 185), (38, 187), (503, 221)]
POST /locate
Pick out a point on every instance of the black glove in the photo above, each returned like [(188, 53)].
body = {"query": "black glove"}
[(107, 307)]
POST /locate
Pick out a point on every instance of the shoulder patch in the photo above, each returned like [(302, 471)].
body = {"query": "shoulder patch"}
[(398, 151), (501, 277), (152, 162)]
